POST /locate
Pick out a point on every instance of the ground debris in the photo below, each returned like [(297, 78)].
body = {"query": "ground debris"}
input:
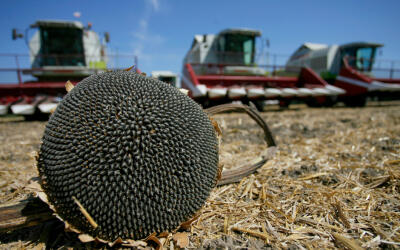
[(334, 180)]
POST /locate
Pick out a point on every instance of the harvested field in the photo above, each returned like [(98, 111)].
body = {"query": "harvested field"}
[(333, 183)]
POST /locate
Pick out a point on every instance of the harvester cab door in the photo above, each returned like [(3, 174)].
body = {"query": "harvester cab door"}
[(360, 56), (364, 57)]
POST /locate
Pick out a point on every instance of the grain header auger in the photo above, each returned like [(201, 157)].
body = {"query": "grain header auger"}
[(222, 68), (59, 51), (349, 67)]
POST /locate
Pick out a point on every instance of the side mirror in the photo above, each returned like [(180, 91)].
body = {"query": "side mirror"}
[(16, 35), (107, 37)]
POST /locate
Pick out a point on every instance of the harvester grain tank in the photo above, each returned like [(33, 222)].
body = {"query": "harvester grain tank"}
[(346, 66), (59, 51), (222, 68)]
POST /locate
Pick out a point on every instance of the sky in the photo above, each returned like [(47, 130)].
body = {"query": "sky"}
[(160, 32)]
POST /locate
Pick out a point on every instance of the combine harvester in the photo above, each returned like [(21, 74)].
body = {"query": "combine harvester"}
[(59, 51), (221, 68), (346, 66)]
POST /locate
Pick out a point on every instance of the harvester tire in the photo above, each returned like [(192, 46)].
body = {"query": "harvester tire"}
[(284, 104), (312, 103), (36, 117), (259, 105), (356, 101), (330, 101)]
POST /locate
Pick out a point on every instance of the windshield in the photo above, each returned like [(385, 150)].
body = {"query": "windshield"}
[(61, 47), (364, 57), (360, 58), (236, 49)]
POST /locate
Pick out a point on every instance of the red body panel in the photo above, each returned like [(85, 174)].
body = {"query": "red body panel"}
[(10, 93), (308, 76), (348, 75)]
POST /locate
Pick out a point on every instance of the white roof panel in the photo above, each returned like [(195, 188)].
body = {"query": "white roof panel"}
[(315, 46)]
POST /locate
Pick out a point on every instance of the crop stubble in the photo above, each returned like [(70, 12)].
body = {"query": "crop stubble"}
[(334, 181)]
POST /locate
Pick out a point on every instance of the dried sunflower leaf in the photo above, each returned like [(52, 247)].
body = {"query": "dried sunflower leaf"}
[(85, 238), (69, 86), (181, 239)]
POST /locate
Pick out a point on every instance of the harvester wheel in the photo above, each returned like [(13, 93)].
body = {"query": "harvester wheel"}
[(356, 101), (259, 105), (330, 101), (37, 117), (284, 103), (312, 103)]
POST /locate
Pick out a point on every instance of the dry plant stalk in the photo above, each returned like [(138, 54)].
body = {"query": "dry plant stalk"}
[(263, 236), (85, 213), (236, 175), (339, 213), (348, 243)]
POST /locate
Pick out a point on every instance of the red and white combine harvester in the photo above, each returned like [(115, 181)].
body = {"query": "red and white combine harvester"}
[(222, 68), (346, 66), (59, 51)]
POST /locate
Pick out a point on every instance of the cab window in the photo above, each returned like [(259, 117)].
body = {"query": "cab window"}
[(61, 47)]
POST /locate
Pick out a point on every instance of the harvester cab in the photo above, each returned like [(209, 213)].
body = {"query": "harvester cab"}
[(237, 46), (65, 50), (360, 55), (230, 52)]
